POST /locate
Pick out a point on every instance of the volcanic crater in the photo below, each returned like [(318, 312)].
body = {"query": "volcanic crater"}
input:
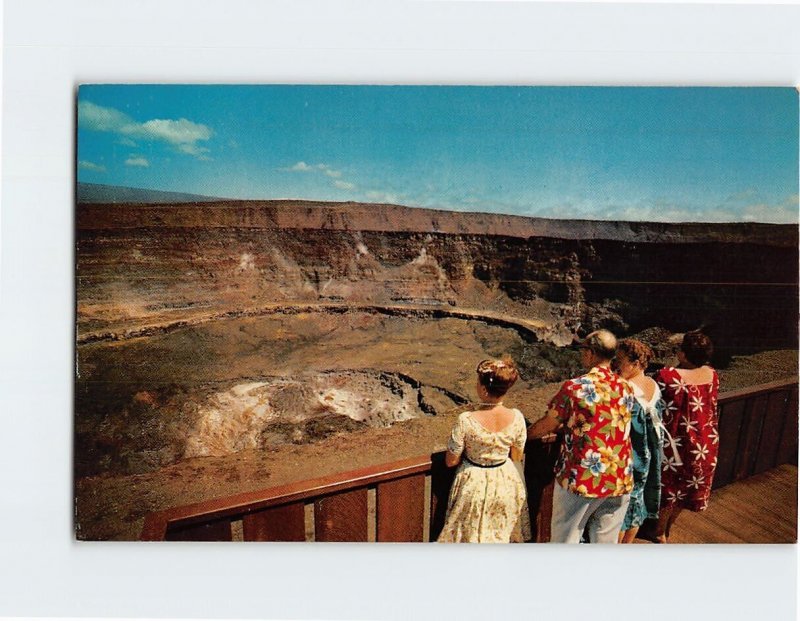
[(226, 346)]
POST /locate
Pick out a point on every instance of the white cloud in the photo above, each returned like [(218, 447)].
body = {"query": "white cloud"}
[(650, 212), (329, 171), (324, 169), (376, 196), (662, 211), (102, 119), (777, 214), (192, 149), (87, 165), (182, 134), (137, 161), (299, 167)]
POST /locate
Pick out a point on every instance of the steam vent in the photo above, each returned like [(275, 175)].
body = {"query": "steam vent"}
[(211, 336)]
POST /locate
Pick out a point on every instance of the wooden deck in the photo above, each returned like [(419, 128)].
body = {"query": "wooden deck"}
[(759, 509)]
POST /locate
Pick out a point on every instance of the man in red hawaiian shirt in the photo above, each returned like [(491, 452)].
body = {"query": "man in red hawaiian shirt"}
[(593, 476)]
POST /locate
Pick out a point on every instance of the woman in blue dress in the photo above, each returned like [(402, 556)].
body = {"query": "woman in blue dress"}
[(646, 436)]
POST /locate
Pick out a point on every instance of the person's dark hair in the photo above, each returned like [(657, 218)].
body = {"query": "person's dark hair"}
[(635, 351), (697, 348), (497, 376), (602, 343)]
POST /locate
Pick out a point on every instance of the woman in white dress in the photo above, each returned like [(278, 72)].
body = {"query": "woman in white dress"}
[(488, 494)]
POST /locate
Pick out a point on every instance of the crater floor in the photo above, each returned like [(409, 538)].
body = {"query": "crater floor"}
[(242, 404)]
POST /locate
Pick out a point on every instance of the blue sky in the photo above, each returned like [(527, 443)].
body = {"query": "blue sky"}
[(664, 154)]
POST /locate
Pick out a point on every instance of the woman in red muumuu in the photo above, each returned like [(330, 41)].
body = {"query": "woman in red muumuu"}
[(692, 439)]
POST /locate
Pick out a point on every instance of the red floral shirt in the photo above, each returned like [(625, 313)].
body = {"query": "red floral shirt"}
[(596, 456)]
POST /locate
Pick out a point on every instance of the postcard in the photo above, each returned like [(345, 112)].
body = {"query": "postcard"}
[(420, 313)]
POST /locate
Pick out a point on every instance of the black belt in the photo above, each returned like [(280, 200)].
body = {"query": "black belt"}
[(484, 465)]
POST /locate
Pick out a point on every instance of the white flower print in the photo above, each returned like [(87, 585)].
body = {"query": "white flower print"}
[(669, 463), (676, 495), (691, 426), (700, 451), (630, 401), (697, 481), (697, 404), (594, 462), (587, 393), (679, 385), (713, 435), (671, 406)]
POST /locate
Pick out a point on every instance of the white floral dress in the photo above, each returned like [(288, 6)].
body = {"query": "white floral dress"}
[(485, 502)]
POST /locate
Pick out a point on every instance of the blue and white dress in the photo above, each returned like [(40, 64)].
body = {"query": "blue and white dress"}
[(647, 434)]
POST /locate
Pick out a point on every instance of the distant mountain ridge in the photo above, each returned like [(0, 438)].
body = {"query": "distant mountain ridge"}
[(112, 194), (141, 207), (352, 217)]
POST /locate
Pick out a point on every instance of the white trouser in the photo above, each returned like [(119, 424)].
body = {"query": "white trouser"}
[(572, 513)]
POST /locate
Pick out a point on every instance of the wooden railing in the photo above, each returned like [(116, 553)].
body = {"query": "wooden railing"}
[(757, 430), (398, 501), (406, 500)]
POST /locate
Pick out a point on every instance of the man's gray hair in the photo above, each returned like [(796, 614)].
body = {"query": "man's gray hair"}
[(601, 343)]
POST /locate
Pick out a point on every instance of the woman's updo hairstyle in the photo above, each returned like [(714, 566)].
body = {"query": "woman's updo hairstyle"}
[(635, 351), (697, 348), (497, 376)]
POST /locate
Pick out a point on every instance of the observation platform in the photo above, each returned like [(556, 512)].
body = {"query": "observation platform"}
[(754, 499)]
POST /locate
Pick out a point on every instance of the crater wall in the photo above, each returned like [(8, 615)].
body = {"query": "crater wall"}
[(311, 291), (140, 264)]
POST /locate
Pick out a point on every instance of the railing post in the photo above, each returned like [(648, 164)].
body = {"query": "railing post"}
[(540, 460)]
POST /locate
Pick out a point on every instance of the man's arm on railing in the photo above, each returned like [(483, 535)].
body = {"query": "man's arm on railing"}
[(545, 428)]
